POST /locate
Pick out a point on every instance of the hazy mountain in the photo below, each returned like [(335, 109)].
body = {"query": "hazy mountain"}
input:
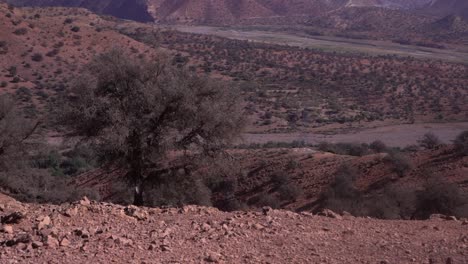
[(126, 9)]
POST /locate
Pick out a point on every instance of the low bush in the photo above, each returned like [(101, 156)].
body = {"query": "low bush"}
[(279, 179), (440, 197), (176, 189), (401, 164), (52, 53), (37, 57), (70, 163), (378, 146), (24, 94), (430, 141), (20, 31), (68, 21), (290, 192), (461, 143), (75, 29), (35, 185), (351, 149)]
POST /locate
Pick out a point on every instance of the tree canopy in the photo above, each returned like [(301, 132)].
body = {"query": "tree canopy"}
[(134, 112)]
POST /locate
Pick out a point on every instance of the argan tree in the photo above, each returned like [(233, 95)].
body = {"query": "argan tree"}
[(134, 112)]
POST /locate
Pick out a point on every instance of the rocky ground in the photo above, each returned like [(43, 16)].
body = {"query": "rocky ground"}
[(90, 232)]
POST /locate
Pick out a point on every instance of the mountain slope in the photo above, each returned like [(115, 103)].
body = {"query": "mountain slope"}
[(219, 11), (205, 11), (41, 48), (448, 7)]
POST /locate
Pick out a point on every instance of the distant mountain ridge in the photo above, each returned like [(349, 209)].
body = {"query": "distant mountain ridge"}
[(127, 9), (235, 11)]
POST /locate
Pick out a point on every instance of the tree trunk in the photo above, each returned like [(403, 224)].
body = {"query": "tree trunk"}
[(138, 196), (136, 167)]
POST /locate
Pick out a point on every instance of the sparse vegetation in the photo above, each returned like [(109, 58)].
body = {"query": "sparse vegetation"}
[(20, 31), (395, 202)]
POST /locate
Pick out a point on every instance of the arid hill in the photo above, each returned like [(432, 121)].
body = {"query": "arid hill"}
[(42, 48)]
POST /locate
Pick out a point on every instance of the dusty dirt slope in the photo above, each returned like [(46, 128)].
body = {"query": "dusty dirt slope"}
[(88, 232)]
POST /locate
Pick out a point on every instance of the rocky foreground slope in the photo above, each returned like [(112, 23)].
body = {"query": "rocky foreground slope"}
[(89, 232)]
